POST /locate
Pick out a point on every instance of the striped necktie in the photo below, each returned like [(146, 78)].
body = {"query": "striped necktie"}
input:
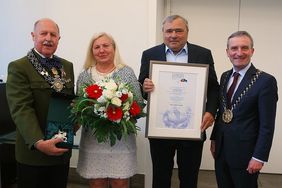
[(232, 88)]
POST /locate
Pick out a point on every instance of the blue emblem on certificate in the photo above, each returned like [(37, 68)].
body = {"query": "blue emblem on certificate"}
[(177, 118)]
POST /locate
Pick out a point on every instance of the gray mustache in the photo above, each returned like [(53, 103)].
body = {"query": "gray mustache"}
[(49, 43)]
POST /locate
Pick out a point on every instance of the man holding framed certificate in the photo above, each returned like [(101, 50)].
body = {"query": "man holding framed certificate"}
[(189, 151)]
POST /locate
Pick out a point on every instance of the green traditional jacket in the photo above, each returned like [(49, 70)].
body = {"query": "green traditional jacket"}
[(28, 96)]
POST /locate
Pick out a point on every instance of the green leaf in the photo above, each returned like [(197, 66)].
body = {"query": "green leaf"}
[(112, 138), (123, 123)]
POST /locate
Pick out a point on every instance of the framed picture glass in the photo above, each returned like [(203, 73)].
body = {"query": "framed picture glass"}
[(176, 106)]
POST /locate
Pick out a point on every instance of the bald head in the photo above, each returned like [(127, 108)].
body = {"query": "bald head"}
[(44, 20)]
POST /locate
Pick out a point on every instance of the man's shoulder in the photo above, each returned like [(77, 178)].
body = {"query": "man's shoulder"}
[(23, 61), (227, 72), (268, 76), (155, 48), (192, 46), (265, 75)]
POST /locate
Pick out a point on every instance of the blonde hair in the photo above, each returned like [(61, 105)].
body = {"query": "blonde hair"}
[(90, 60)]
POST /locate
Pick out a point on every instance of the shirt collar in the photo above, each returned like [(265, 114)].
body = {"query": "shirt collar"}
[(183, 50), (243, 71), (41, 54)]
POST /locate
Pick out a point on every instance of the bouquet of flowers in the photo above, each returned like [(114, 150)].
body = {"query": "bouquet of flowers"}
[(109, 109)]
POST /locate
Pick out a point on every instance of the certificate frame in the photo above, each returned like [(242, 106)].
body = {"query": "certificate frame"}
[(176, 105)]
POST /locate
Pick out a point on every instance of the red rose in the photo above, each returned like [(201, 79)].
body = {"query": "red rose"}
[(124, 97), (134, 109), (94, 91), (114, 113)]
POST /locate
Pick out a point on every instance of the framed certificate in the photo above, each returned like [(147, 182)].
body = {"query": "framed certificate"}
[(176, 106)]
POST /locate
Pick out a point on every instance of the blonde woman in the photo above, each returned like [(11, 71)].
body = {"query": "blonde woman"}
[(101, 163)]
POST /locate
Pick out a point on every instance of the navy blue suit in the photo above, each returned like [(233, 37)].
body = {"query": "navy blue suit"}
[(189, 153), (250, 132)]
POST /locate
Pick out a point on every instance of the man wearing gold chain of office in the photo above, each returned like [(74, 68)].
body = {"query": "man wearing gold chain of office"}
[(30, 84), (243, 130)]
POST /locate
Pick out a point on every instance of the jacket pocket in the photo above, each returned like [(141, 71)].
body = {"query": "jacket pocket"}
[(39, 85)]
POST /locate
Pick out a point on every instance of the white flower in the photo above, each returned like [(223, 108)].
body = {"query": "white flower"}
[(111, 85), (118, 94), (104, 115), (130, 95), (102, 109), (126, 114), (116, 101), (95, 111), (121, 85), (102, 99), (124, 91), (99, 108), (108, 94), (126, 106)]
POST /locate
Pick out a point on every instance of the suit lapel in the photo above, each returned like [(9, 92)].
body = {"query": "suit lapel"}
[(162, 52), (224, 82), (245, 82), (191, 53)]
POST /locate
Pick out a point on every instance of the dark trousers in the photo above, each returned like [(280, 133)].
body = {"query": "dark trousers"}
[(189, 156), (227, 176), (42, 176)]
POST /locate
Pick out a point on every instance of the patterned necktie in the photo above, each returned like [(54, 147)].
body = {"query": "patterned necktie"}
[(232, 88)]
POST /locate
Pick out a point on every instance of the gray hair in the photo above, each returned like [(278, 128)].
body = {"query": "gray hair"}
[(45, 19), (171, 18), (240, 34)]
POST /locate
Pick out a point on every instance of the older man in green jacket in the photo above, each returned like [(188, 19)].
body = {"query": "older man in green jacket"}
[(31, 82)]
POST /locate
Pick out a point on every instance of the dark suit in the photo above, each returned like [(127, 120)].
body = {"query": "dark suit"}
[(250, 132), (189, 153), (28, 96)]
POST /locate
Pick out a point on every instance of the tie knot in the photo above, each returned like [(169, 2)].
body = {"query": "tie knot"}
[(236, 75)]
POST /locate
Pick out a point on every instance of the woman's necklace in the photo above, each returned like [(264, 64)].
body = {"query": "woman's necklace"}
[(97, 75), (106, 72)]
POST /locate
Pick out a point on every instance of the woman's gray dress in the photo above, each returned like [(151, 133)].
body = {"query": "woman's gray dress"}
[(100, 160)]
